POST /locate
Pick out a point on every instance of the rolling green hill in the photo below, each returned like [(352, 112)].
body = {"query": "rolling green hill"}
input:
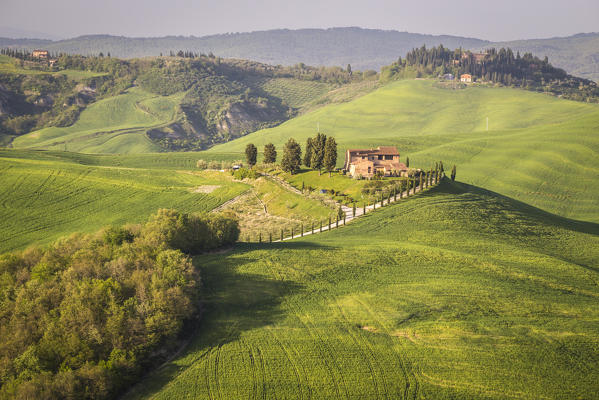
[(45, 197), (457, 293), (114, 125), (539, 149)]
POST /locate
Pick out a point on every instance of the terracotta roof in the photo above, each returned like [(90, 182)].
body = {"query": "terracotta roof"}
[(382, 150)]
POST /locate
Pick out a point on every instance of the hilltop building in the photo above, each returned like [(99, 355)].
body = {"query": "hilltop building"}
[(383, 160), (41, 54), (466, 78)]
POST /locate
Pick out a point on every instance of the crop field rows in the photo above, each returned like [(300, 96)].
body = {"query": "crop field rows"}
[(295, 93), (43, 200), (416, 311)]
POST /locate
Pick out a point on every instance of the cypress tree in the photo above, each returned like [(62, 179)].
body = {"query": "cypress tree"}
[(408, 162), (302, 231), (251, 154), (353, 209), (364, 210), (292, 155), (308, 153), (453, 171), (330, 155), (318, 147), (281, 234), (270, 153), (269, 237), (260, 237)]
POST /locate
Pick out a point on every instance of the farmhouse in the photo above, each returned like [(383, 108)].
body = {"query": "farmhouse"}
[(41, 54), (383, 160), (467, 78)]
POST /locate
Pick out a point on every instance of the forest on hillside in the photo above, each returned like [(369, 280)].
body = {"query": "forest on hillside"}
[(364, 49), (224, 99), (495, 67), (85, 317)]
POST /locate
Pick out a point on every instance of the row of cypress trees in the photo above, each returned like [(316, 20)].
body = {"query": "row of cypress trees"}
[(320, 152)]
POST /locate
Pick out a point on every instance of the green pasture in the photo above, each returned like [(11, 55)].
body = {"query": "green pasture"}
[(113, 125), (457, 293), (44, 198), (539, 149)]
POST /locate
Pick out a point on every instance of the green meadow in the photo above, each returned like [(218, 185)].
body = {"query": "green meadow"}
[(539, 149), (43, 198), (114, 125), (457, 293)]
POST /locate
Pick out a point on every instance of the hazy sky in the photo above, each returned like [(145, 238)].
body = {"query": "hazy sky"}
[(493, 20)]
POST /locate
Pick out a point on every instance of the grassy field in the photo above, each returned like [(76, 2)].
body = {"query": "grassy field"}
[(113, 125), (268, 207), (539, 149), (44, 198), (456, 293)]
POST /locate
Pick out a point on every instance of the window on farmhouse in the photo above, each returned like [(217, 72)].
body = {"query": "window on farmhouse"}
[(388, 157), (380, 157), (369, 170)]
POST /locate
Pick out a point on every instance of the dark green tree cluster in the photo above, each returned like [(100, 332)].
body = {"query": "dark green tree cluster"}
[(321, 152), (83, 318), (270, 153), (497, 66), (292, 156)]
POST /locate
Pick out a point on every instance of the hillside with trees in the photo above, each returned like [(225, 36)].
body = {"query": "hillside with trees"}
[(495, 67), (222, 98), (364, 49), (86, 316)]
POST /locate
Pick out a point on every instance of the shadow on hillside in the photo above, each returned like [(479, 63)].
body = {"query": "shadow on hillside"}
[(235, 300), (525, 211)]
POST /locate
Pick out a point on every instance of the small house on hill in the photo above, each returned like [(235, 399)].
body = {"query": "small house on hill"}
[(383, 160), (41, 54), (466, 78)]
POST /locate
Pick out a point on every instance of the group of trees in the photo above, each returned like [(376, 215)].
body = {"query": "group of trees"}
[(498, 66), (321, 152), (85, 316)]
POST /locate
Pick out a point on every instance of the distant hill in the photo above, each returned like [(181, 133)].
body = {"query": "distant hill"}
[(362, 48), (578, 54)]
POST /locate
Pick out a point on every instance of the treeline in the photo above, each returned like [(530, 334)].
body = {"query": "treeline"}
[(83, 318), (320, 153), (493, 66)]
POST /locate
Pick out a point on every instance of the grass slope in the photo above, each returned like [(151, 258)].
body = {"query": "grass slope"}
[(113, 125), (539, 149), (456, 293), (44, 198)]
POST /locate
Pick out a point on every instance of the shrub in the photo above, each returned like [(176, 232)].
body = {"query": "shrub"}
[(243, 173)]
